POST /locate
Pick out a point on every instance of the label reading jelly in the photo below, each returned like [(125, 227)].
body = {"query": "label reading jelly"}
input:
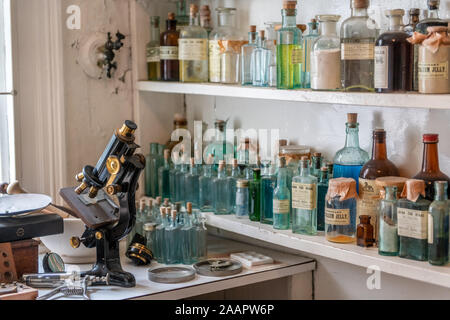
[(281, 206), (381, 67), (337, 217), (357, 51), (433, 70), (304, 196), (169, 53), (412, 223), (193, 49)]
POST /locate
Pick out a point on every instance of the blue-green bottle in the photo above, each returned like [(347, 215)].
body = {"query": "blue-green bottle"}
[(172, 182), (141, 217), (222, 198), (281, 199), (151, 173), (206, 197), (261, 59), (220, 148), (438, 226), (192, 185), (148, 216), (308, 41), (137, 217), (172, 239), (159, 246), (268, 184), (232, 180), (246, 57), (322, 189), (188, 237), (304, 201), (164, 176), (316, 164), (255, 196), (179, 181), (201, 233)]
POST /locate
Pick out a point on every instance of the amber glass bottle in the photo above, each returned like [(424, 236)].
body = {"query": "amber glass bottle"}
[(170, 67), (430, 165), (378, 166)]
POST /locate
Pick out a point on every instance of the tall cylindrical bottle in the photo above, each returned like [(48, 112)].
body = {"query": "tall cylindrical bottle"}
[(438, 226), (170, 67)]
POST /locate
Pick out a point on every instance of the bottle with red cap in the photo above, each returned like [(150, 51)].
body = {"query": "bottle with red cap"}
[(430, 166)]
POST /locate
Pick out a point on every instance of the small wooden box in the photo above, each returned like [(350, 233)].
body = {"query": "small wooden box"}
[(26, 256)]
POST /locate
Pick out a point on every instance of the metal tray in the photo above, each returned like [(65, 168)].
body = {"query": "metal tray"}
[(230, 267), (171, 274)]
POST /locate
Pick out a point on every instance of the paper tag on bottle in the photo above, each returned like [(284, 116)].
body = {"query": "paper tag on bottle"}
[(297, 56), (430, 229), (433, 70), (382, 67), (153, 55), (337, 217), (169, 53), (214, 61), (357, 51), (193, 49), (280, 206), (412, 223), (368, 202), (304, 196)]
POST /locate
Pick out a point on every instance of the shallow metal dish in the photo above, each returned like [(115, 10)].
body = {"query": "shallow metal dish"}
[(205, 268), (171, 274)]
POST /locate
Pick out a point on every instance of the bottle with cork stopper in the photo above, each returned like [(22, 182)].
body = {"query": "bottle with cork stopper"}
[(232, 180), (192, 184), (205, 18), (246, 57), (282, 198), (206, 196), (261, 59), (289, 49), (188, 237), (438, 226), (170, 67), (308, 41), (159, 246), (172, 237), (153, 50), (222, 203)]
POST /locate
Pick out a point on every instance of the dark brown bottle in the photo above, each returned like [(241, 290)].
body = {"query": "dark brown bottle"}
[(394, 57), (170, 68), (378, 166), (364, 232), (430, 166)]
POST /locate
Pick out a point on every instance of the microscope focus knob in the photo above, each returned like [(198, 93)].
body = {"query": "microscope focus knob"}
[(83, 186), (93, 191), (75, 242), (113, 189), (79, 177)]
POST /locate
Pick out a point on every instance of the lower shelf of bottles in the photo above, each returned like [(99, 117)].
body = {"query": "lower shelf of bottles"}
[(318, 245), (400, 100)]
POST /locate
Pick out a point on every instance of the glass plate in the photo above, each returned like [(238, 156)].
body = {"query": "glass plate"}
[(171, 274), (13, 205)]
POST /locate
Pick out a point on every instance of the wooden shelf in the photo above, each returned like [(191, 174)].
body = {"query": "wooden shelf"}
[(398, 100), (349, 253)]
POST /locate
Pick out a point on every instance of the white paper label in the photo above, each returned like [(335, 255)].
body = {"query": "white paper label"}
[(357, 51), (412, 223), (433, 70), (193, 49), (304, 196), (382, 67), (169, 53), (281, 206)]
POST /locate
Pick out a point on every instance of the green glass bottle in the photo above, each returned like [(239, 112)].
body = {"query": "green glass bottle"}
[(438, 226), (164, 176), (222, 203), (322, 190), (255, 196), (268, 183), (281, 199), (289, 49), (151, 175)]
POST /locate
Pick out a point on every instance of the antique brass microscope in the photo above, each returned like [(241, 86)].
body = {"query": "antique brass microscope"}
[(116, 174)]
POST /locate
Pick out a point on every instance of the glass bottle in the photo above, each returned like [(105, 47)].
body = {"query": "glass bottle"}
[(378, 166), (205, 19), (159, 252), (358, 34), (270, 44), (388, 241), (225, 30), (220, 148), (289, 49), (246, 57), (412, 217), (340, 211), (206, 186), (180, 181), (308, 42), (255, 196), (364, 232), (261, 58), (153, 48), (229, 66), (170, 66), (414, 15), (139, 210), (438, 226), (349, 161), (430, 165), (151, 173), (164, 176), (147, 217), (173, 182), (322, 190), (222, 203), (192, 185), (433, 19), (304, 201), (172, 236), (193, 50), (201, 235), (188, 237), (268, 184), (242, 199), (232, 182), (394, 57), (179, 123), (281, 199), (182, 15), (149, 234), (316, 164)]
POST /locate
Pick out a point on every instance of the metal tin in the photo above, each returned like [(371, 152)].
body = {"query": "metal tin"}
[(171, 274), (218, 267)]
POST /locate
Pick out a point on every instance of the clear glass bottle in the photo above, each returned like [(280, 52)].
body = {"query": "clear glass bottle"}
[(192, 185), (261, 59), (438, 226), (151, 173), (182, 14), (271, 44), (159, 252), (308, 41), (193, 50), (225, 30), (139, 210), (153, 48), (246, 57), (316, 164), (358, 34), (188, 237), (289, 49), (268, 184), (205, 19), (180, 181), (172, 237), (179, 123), (149, 234), (282, 199), (201, 235), (414, 18), (326, 56), (255, 196), (164, 176), (412, 217), (349, 161), (170, 66), (229, 66), (222, 203), (340, 211), (388, 241), (206, 186), (173, 181), (322, 190), (394, 57), (232, 181), (304, 201), (433, 19), (242, 199), (220, 148)]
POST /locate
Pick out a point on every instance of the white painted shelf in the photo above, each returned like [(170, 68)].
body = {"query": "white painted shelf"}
[(401, 100), (349, 253), (284, 265)]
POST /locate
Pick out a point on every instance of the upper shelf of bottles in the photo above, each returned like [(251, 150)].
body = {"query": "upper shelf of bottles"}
[(398, 100)]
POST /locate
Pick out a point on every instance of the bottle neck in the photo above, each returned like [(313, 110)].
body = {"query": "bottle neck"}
[(304, 169), (396, 23), (171, 25), (281, 178), (328, 28), (324, 177), (207, 172), (194, 20), (441, 192), (313, 29), (193, 169), (352, 139), (359, 12), (433, 13), (222, 173), (379, 148), (391, 193), (252, 37), (289, 18), (155, 33), (226, 20), (413, 20), (430, 158), (166, 163)]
